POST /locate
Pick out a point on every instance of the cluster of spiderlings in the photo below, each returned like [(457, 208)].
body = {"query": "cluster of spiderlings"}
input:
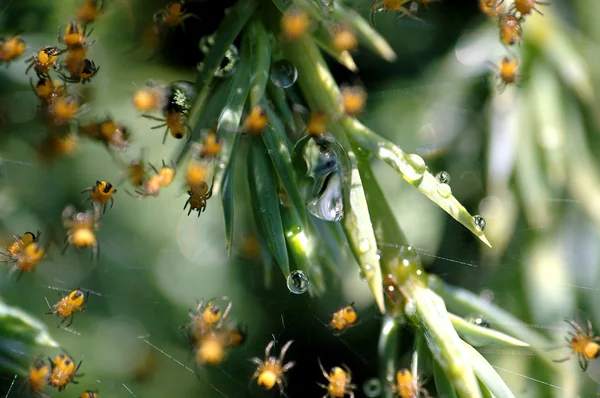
[(58, 372), (25, 253), (212, 331), (59, 109), (510, 24)]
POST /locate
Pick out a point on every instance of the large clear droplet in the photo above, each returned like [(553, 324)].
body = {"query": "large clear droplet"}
[(324, 200), (372, 387), (328, 205), (283, 74), (443, 177), (479, 222), (298, 282), (416, 168)]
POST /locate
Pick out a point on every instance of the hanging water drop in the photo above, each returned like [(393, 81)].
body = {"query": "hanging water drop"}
[(325, 199), (443, 177), (416, 168), (364, 246), (284, 74), (444, 190), (372, 387), (329, 204), (298, 282), (479, 222)]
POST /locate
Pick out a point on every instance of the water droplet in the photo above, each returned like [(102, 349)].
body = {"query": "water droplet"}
[(181, 94), (364, 246), (479, 320), (206, 42), (363, 153), (329, 204), (378, 255), (362, 276), (444, 190), (372, 387), (323, 166), (479, 222), (229, 63), (410, 255), (284, 74), (298, 282), (474, 339), (416, 168), (443, 177)]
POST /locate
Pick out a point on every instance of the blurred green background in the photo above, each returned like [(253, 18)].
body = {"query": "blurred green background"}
[(526, 160)]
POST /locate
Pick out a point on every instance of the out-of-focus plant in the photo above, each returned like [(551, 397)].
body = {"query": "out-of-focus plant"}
[(540, 163)]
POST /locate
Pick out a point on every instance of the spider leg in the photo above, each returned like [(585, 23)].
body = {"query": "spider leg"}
[(66, 246), (574, 324), (158, 119), (268, 348), (165, 136), (424, 392), (227, 309), (71, 321), (583, 362), (288, 366), (284, 350), (564, 359), (96, 253), (190, 15), (21, 272)]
